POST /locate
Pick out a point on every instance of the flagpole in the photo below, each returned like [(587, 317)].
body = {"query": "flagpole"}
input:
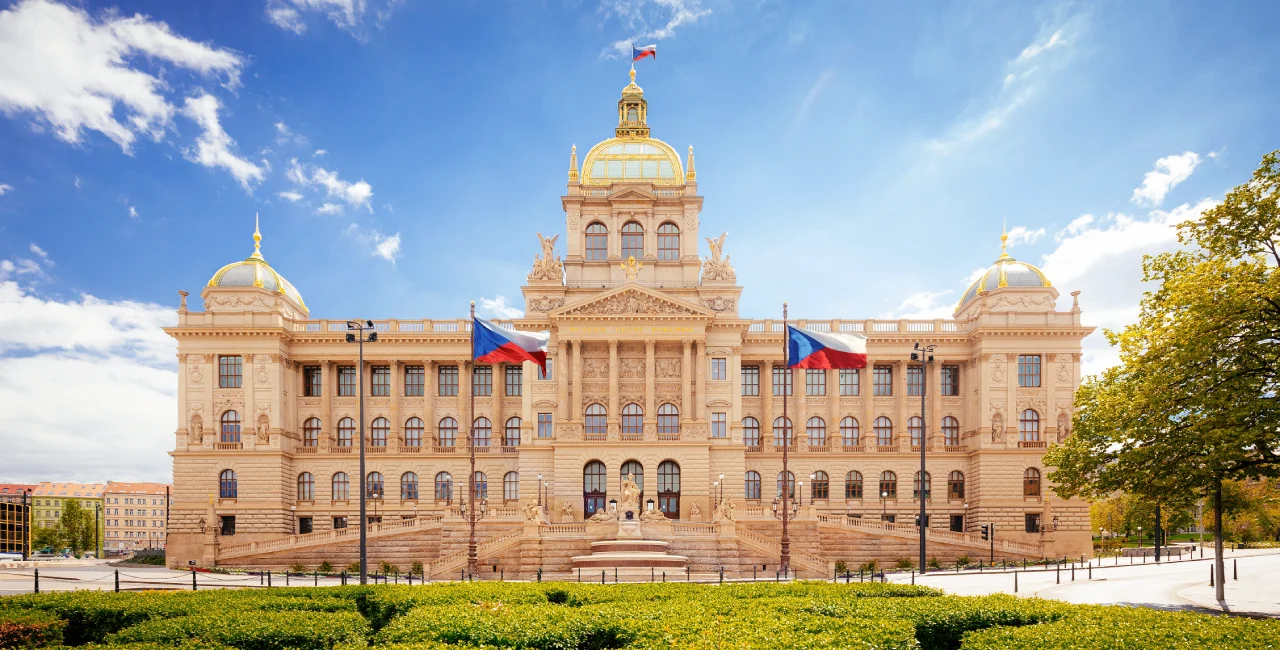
[(473, 559), (786, 484)]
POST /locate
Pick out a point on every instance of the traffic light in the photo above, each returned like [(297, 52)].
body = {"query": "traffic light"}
[(986, 532)]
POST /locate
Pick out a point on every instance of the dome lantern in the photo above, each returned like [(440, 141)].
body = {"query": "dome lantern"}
[(254, 272), (1005, 273), (632, 156)]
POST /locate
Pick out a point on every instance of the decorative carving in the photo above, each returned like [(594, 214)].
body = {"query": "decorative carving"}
[(603, 514), (630, 302), (196, 430), (595, 368), (547, 266), (1005, 303), (631, 369), (1064, 426), (653, 515), (631, 267), (718, 304), (239, 301), (315, 401), (1032, 402), (261, 376), (695, 510), (264, 428), (630, 494), (1064, 375), (719, 387), (717, 267), (531, 511), (195, 375), (997, 427), (997, 368), (566, 510), (573, 222), (544, 303), (667, 368), (690, 221)]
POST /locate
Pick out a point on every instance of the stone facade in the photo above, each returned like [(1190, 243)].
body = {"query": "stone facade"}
[(135, 516), (650, 362)]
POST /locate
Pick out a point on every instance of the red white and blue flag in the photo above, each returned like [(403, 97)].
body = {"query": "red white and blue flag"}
[(638, 53), (496, 344), (824, 350)]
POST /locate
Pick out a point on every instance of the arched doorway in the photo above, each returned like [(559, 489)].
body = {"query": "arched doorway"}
[(593, 488), (669, 489), (634, 467)]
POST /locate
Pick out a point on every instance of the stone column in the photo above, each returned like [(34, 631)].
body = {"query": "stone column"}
[(613, 380), (650, 372), (499, 391), (248, 419), (735, 381), (464, 400), (700, 382), (397, 380), (766, 402), (835, 411), (866, 388), (575, 400), (686, 377), (561, 371), (429, 391), (328, 389), (900, 428)]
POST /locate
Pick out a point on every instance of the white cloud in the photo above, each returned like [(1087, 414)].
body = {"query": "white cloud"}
[(73, 73), (356, 195), (1076, 226), (290, 196), (5, 188), (925, 305), (319, 153), (44, 256), (133, 212), (118, 364), (648, 20), (380, 245), (77, 182), (811, 98), (214, 147), (285, 17), (1168, 172), (10, 269), (291, 15), (497, 307), (1023, 234), (1035, 49), (329, 208)]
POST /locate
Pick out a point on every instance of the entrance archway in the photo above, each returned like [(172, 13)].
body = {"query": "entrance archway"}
[(593, 488), (669, 489)]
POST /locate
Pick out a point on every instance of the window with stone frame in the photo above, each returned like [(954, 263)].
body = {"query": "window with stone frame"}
[(915, 381), (719, 368), (312, 377), (668, 242), (751, 381), (882, 380), (380, 384), (849, 382), (230, 371), (950, 381), (782, 381), (1028, 371), (815, 381), (513, 376), (415, 381), (546, 426), (482, 381), (447, 381), (347, 381)]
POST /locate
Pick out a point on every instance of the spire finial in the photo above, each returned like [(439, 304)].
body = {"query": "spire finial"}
[(633, 73), (689, 173), (257, 239), (1004, 238), (573, 164)]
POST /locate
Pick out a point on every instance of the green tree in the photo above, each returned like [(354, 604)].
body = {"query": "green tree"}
[(46, 537), (1194, 402), (77, 526)]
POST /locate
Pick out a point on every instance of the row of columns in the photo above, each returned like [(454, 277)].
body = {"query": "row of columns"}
[(569, 355)]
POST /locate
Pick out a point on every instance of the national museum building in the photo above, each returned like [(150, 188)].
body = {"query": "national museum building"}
[(653, 374)]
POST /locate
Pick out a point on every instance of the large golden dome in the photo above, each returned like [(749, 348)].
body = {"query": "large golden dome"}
[(1005, 272), (253, 271), (632, 156)]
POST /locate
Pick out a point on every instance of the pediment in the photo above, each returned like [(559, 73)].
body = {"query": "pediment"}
[(633, 300), (632, 193)]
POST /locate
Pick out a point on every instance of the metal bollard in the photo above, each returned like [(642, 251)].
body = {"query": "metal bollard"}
[(1091, 571), (261, 579), (913, 576), (502, 575), (268, 579), (37, 589), (664, 576), (721, 575), (1015, 582), (539, 574), (753, 573), (1057, 575), (286, 577), (117, 581), (579, 574), (651, 574), (1210, 575), (193, 579), (615, 575), (602, 577), (411, 578), (1235, 570), (688, 573)]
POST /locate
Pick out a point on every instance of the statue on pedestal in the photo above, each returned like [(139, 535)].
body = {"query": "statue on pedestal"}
[(630, 494), (604, 515)]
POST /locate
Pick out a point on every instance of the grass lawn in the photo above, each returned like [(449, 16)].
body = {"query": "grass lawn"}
[(643, 616)]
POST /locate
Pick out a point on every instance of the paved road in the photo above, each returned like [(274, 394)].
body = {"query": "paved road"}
[(102, 577)]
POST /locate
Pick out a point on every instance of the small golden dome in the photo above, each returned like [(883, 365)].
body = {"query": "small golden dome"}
[(1005, 272), (253, 271)]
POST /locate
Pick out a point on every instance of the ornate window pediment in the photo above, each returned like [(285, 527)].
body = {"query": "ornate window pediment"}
[(630, 301)]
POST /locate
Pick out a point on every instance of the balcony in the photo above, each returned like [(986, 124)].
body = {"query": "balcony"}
[(228, 446), (411, 449), (341, 450), (669, 437), (444, 449), (823, 448), (376, 449), (854, 449), (954, 448), (597, 437), (754, 449), (305, 450), (511, 449), (885, 449), (1032, 444), (790, 448), (631, 437)]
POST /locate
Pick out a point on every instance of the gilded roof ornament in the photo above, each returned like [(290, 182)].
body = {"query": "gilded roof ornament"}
[(690, 175), (573, 164), (632, 267)]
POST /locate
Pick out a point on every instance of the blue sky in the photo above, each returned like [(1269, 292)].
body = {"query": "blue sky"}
[(402, 154)]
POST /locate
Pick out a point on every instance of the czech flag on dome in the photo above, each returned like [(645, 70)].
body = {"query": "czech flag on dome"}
[(823, 350), (638, 53), (496, 344)]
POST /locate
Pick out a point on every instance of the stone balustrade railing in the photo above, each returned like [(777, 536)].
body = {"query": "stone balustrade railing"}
[(380, 529), (909, 530)]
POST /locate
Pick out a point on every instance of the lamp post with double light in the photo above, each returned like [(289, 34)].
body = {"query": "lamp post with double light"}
[(361, 333), (923, 354)]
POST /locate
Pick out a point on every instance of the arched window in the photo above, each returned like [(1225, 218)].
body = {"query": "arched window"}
[(409, 486), (1031, 482), (230, 427), (750, 432), (413, 429), (480, 482), (888, 485), (632, 420), (1029, 426), (511, 486), (928, 486), (379, 430), (821, 488), (633, 115), (483, 431), (669, 488), (595, 421), (816, 428), (915, 427), (884, 431), (668, 419), (955, 485), (306, 487), (346, 432), (447, 432), (853, 485), (636, 470), (850, 432), (788, 479), (950, 431), (311, 432), (341, 487), (668, 241), (597, 242), (227, 488), (782, 432), (632, 240), (511, 437), (373, 486), (751, 485), (444, 486), (593, 487)]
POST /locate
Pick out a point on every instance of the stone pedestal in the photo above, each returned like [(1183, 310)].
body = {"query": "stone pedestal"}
[(628, 528)]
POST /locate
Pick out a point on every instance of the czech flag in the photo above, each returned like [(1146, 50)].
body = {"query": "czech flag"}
[(823, 350), (496, 344), (638, 53)]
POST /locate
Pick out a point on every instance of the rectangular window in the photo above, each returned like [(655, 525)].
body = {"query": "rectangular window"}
[(889, 518), (304, 525), (849, 382), (311, 378), (339, 522), (882, 377), (782, 381), (1028, 370), (514, 381), (915, 380), (815, 382), (1033, 522), (957, 523), (230, 369), (346, 381), (950, 381), (548, 373), (447, 381), (381, 384), (719, 425), (482, 381), (228, 524), (415, 381), (719, 368), (545, 428), (751, 381)]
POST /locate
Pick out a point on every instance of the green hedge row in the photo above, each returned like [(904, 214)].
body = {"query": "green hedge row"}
[(30, 629), (252, 630), (1107, 628)]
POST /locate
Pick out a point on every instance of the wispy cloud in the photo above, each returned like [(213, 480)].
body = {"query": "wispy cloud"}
[(1036, 49), (810, 98), (133, 212), (214, 148), (497, 307), (1023, 234), (356, 195), (349, 15), (5, 188), (290, 196), (1168, 172), (384, 246), (648, 20), (330, 208)]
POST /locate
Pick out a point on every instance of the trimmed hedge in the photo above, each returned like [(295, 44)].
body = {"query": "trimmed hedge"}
[(543, 626), (252, 630), (30, 629), (1107, 627)]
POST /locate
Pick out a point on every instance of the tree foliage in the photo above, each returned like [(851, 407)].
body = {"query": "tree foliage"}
[(77, 527)]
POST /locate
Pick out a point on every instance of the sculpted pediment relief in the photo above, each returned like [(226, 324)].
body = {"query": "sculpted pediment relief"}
[(631, 193), (630, 301)]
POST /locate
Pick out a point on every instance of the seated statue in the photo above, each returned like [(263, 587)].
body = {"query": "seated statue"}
[(653, 515), (604, 515)]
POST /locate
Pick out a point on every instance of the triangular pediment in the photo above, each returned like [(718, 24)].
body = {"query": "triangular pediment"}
[(633, 300), (632, 193)]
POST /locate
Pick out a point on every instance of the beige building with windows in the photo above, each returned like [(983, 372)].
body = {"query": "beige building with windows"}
[(653, 373), (49, 498), (136, 514)]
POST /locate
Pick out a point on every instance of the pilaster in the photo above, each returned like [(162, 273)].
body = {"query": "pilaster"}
[(686, 377)]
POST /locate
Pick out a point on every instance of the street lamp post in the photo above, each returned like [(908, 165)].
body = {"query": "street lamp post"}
[(884, 496), (356, 334), (786, 444), (293, 515), (923, 354), (473, 516), (26, 524), (97, 551), (539, 490)]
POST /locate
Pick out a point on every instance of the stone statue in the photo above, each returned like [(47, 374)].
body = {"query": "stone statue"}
[(547, 266), (653, 515), (566, 510), (727, 509), (604, 515), (630, 493), (717, 267), (531, 511), (197, 429), (695, 510)]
